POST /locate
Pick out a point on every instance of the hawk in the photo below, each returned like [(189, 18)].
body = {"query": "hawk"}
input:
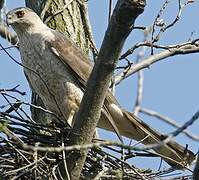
[(57, 70)]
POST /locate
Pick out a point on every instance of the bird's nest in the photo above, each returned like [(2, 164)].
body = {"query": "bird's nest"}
[(29, 150)]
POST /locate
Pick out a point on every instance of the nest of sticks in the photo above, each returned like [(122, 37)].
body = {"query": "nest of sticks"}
[(30, 150)]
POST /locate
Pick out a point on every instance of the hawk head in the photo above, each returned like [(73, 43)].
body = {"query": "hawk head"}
[(22, 19)]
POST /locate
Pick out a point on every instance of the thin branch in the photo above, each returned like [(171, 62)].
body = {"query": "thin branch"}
[(196, 170), (140, 79), (87, 27), (159, 22), (146, 63), (168, 121), (14, 89), (176, 132), (25, 167), (109, 10), (64, 162), (185, 126), (45, 9), (150, 44), (58, 11)]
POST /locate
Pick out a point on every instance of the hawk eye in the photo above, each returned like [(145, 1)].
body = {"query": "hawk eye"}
[(20, 14)]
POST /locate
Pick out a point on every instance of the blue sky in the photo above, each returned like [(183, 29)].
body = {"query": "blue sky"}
[(170, 86)]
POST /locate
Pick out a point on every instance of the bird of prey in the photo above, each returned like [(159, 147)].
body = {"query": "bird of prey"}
[(57, 70)]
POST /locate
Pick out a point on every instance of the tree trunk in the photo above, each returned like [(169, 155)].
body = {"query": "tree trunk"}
[(72, 21)]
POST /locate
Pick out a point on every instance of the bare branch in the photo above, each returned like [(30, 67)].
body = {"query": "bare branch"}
[(168, 121), (87, 118), (146, 63), (58, 11), (196, 170), (140, 83)]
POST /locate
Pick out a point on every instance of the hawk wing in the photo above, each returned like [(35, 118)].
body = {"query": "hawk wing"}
[(80, 67)]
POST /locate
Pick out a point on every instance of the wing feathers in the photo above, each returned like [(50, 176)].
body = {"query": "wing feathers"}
[(81, 67)]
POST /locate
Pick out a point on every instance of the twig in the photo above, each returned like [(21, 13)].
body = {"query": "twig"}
[(150, 44), (185, 126), (196, 170), (146, 63), (109, 10), (176, 132), (65, 165), (168, 121), (163, 26), (14, 89), (45, 9), (140, 79), (25, 167), (87, 27), (58, 11)]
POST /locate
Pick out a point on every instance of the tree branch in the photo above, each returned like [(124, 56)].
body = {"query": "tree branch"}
[(146, 63), (196, 170), (121, 24), (1, 4), (168, 121)]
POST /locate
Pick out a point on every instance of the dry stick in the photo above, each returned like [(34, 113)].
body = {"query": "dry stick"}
[(157, 46), (45, 9), (140, 83), (164, 27), (140, 79), (109, 10), (156, 20), (146, 63), (59, 11), (176, 132), (96, 145), (168, 121), (87, 27), (196, 170), (121, 24), (64, 162), (183, 127), (25, 167), (139, 96), (77, 147)]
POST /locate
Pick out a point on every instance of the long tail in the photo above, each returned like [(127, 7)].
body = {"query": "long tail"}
[(132, 127), (172, 152)]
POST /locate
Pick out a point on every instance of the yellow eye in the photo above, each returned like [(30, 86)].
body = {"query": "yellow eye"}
[(20, 14)]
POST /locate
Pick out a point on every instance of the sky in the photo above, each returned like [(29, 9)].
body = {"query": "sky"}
[(170, 86)]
